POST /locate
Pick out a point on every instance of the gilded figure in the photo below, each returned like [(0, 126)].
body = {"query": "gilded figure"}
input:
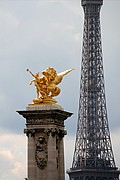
[(46, 84)]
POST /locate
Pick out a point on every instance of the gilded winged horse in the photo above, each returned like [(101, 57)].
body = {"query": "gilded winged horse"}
[(46, 86)]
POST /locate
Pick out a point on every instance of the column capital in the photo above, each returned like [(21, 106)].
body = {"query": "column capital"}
[(55, 132), (29, 132)]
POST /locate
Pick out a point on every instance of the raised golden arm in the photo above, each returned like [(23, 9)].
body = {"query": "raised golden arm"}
[(31, 73)]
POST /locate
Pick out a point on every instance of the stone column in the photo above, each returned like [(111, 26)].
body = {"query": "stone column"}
[(31, 154), (44, 128), (52, 162), (61, 160)]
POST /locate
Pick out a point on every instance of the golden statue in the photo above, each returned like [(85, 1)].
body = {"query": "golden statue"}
[(46, 86)]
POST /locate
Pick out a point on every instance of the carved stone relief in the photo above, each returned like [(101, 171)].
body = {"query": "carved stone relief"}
[(41, 154), (44, 121)]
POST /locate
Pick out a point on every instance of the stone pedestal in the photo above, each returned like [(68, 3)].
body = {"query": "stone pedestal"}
[(45, 132)]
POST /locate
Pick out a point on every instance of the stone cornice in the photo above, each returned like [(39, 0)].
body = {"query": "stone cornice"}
[(44, 117)]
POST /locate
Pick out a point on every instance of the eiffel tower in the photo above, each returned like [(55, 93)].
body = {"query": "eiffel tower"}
[(93, 156)]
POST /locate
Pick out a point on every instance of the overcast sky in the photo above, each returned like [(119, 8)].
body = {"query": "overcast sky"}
[(39, 34)]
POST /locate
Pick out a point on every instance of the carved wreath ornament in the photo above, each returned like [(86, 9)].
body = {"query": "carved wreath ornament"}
[(41, 153)]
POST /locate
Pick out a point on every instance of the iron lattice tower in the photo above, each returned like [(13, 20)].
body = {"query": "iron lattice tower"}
[(93, 156)]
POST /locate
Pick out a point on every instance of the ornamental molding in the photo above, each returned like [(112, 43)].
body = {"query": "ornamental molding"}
[(45, 121), (30, 132), (49, 131), (55, 132)]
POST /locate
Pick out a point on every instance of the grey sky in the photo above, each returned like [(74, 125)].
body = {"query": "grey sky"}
[(39, 34)]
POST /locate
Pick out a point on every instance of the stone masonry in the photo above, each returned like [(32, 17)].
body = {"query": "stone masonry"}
[(45, 132)]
